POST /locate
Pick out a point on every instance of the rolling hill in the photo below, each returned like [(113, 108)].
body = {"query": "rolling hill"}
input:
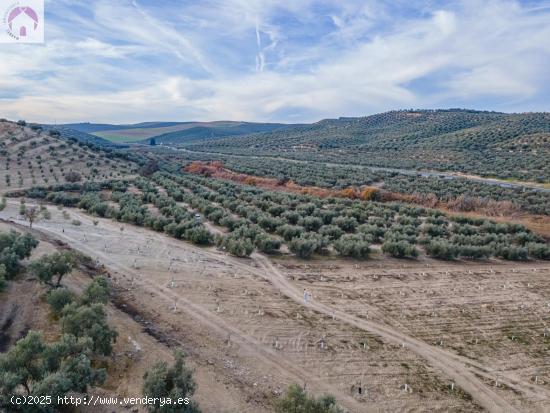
[(30, 157), (197, 132), (173, 132), (80, 136), (504, 145)]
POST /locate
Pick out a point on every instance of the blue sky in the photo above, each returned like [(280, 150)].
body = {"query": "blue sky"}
[(264, 60)]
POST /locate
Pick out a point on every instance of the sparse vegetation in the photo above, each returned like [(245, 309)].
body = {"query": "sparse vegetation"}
[(175, 382), (296, 400)]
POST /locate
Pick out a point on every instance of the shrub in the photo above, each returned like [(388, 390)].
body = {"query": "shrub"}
[(441, 249), (97, 292), (399, 249), (348, 224), (199, 235), (267, 244), (512, 253), (161, 382), (474, 251), (33, 367), (3, 282), (73, 176), (332, 232), (57, 265), (13, 248), (375, 232), (89, 321), (435, 230), (303, 247), (351, 245), (268, 223), (540, 251), (59, 298), (238, 247), (311, 223), (289, 232), (296, 400), (292, 217)]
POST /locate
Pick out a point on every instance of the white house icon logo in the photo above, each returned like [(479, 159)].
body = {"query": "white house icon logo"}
[(23, 22)]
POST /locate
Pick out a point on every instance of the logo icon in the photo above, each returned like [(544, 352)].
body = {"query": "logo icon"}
[(22, 21)]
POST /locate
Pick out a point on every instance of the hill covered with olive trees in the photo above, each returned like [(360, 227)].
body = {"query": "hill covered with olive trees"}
[(31, 156), (510, 146)]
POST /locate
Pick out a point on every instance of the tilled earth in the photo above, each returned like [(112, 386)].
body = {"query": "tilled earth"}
[(241, 320)]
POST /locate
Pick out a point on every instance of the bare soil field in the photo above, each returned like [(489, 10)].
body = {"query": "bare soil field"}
[(137, 347), (381, 335)]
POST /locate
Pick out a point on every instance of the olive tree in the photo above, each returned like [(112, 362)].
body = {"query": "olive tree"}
[(34, 368), (52, 266), (351, 245), (58, 298), (96, 292), (174, 382), (89, 321), (399, 249), (296, 400), (2, 277), (31, 214)]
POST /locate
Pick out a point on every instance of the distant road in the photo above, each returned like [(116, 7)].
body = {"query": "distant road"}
[(410, 172)]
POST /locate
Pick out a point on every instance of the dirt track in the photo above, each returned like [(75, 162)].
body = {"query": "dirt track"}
[(149, 252)]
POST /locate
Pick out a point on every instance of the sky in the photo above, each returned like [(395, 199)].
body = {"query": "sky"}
[(276, 61)]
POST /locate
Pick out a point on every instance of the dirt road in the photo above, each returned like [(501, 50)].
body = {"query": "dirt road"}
[(465, 373)]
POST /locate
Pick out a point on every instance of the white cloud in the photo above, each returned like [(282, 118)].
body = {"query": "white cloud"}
[(272, 60)]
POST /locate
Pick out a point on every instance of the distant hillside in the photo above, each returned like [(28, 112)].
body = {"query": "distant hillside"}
[(484, 143), (172, 132), (100, 127), (30, 156), (68, 133), (197, 132)]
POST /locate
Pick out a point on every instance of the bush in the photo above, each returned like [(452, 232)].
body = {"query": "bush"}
[(33, 367), (3, 282), (89, 321), (238, 247), (442, 250), (435, 230), (57, 265), (59, 298), (348, 224), (289, 232), (311, 223), (161, 382), (399, 249), (332, 232), (540, 251), (199, 235), (512, 253), (303, 247), (374, 231), (97, 292), (73, 176), (267, 244), (474, 251), (13, 248), (351, 245), (296, 400)]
